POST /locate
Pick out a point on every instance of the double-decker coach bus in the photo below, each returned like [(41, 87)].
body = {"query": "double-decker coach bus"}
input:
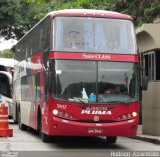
[(77, 75)]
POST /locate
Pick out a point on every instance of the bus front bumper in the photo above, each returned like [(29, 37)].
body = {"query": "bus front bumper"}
[(61, 127)]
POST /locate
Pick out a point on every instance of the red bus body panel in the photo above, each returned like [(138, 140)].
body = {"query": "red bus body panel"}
[(108, 125), (84, 124), (94, 56)]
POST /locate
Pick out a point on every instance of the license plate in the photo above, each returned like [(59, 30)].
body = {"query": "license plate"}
[(95, 131)]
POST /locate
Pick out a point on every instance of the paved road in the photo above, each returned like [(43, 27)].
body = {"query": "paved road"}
[(69, 146)]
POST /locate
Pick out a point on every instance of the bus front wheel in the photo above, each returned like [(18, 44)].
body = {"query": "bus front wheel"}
[(111, 139), (45, 138), (21, 126)]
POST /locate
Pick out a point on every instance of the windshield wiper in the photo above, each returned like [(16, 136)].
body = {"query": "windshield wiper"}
[(84, 102), (75, 99), (119, 102)]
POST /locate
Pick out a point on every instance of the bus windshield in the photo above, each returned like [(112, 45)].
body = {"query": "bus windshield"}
[(86, 34), (94, 81)]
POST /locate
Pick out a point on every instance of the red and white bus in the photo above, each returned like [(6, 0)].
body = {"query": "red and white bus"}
[(77, 75)]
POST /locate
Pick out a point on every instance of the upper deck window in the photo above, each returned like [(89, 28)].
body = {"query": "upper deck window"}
[(99, 35)]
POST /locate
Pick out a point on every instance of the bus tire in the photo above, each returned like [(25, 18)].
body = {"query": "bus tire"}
[(45, 138), (111, 139), (16, 114), (20, 125)]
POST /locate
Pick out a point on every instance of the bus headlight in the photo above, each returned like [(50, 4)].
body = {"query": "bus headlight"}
[(127, 116), (134, 114), (55, 112), (62, 114), (66, 115)]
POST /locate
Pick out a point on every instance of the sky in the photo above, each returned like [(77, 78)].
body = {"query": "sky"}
[(6, 44)]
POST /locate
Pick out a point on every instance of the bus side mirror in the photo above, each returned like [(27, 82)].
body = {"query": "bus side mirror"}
[(145, 83), (49, 64), (13, 48)]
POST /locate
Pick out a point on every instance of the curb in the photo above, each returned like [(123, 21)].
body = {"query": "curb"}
[(147, 139)]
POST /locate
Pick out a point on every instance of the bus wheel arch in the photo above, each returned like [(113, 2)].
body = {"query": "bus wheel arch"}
[(45, 138), (15, 115), (22, 126), (39, 115)]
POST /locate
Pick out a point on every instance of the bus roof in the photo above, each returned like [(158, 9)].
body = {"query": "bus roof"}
[(90, 13), (8, 62), (83, 13)]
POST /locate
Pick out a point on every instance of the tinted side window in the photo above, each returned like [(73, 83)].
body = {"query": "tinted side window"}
[(5, 86)]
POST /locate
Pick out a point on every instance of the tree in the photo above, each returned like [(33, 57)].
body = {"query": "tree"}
[(6, 53), (143, 11), (70, 4), (16, 17)]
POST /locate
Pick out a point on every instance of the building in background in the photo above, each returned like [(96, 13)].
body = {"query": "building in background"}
[(148, 39)]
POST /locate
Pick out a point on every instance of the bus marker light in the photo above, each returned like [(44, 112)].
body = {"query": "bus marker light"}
[(134, 114), (55, 112), (54, 126), (60, 113), (133, 127), (129, 115), (66, 115), (124, 116)]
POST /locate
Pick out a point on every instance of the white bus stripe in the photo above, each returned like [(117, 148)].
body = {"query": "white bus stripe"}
[(5, 120), (3, 115)]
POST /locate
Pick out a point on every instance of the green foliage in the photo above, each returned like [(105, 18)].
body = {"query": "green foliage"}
[(8, 16), (6, 53), (143, 11), (18, 16)]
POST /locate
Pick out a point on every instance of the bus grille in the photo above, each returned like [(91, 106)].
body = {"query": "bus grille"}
[(92, 121)]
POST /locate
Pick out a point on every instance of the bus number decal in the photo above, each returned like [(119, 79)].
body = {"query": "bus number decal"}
[(61, 106)]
